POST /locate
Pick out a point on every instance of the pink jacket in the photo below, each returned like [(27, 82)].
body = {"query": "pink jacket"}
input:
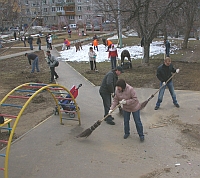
[(132, 103)]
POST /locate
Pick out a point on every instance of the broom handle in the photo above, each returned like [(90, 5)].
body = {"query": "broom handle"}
[(162, 86), (110, 113)]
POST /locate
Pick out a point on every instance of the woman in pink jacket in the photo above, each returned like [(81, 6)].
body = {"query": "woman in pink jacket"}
[(126, 96)]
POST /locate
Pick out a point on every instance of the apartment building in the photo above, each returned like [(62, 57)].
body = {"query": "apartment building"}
[(58, 12)]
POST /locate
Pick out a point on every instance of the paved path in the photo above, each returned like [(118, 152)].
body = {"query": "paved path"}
[(52, 150)]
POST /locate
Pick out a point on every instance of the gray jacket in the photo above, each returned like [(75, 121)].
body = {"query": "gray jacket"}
[(109, 82), (51, 60)]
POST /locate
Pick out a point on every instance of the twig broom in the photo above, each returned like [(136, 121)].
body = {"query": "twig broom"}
[(146, 102), (88, 131)]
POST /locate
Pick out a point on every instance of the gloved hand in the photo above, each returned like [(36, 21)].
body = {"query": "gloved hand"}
[(122, 102), (163, 84), (177, 71), (110, 112)]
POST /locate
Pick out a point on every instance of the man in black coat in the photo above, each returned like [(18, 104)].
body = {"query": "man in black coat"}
[(107, 89), (164, 72)]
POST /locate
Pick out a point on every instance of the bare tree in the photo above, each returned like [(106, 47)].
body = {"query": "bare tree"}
[(190, 9), (151, 14)]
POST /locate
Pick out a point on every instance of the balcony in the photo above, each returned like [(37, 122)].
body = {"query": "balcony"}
[(70, 13)]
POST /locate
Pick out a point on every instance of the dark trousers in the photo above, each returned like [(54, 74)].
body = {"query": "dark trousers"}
[(53, 73), (106, 97), (96, 47), (93, 65)]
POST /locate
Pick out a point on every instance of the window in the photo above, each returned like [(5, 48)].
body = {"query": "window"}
[(53, 1), (45, 9), (44, 2), (79, 8), (78, 0), (88, 17), (53, 9), (88, 8), (71, 17), (80, 17)]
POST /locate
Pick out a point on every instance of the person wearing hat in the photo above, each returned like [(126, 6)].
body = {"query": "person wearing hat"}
[(126, 96), (33, 57), (113, 56), (51, 60), (107, 90)]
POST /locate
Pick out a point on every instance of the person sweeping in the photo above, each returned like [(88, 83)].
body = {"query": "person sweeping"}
[(126, 96), (164, 72)]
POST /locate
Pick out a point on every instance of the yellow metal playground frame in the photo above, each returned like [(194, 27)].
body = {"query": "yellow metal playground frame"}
[(47, 88)]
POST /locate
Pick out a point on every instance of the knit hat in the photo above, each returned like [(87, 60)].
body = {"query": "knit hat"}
[(119, 68)]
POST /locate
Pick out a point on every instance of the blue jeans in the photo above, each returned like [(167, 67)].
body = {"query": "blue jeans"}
[(167, 52), (39, 46), (35, 65), (31, 46), (106, 97), (113, 62), (138, 123), (162, 91)]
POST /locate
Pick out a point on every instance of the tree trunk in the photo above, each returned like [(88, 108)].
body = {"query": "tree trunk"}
[(146, 52), (186, 37)]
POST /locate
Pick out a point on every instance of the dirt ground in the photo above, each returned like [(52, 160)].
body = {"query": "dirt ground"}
[(16, 71)]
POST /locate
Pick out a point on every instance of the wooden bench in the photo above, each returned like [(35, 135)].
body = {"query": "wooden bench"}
[(6, 121)]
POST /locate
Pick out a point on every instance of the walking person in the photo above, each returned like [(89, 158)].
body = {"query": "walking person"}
[(92, 58), (107, 90), (23, 38), (113, 56), (39, 42), (51, 60), (126, 96), (15, 35), (167, 47), (69, 33), (50, 41), (164, 72), (34, 58), (108, 44), (47, 41), (30, 42)]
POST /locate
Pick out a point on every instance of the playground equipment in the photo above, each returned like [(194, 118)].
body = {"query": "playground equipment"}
[(26, 92)]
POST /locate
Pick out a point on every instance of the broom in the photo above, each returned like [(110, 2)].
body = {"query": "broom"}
[(145, 102), (88, 131)]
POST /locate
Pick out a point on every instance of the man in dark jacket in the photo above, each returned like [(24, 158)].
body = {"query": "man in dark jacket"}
[(107, 89), (39, 42), (30, 42), (167, 47), (34, 58), (163, 74)]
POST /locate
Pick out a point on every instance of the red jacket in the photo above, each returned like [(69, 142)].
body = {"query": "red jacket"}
[(112, 52)]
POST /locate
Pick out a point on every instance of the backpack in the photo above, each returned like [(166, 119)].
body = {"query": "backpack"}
[(56, 64)]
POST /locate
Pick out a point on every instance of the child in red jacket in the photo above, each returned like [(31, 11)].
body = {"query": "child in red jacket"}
[(113, 56)]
